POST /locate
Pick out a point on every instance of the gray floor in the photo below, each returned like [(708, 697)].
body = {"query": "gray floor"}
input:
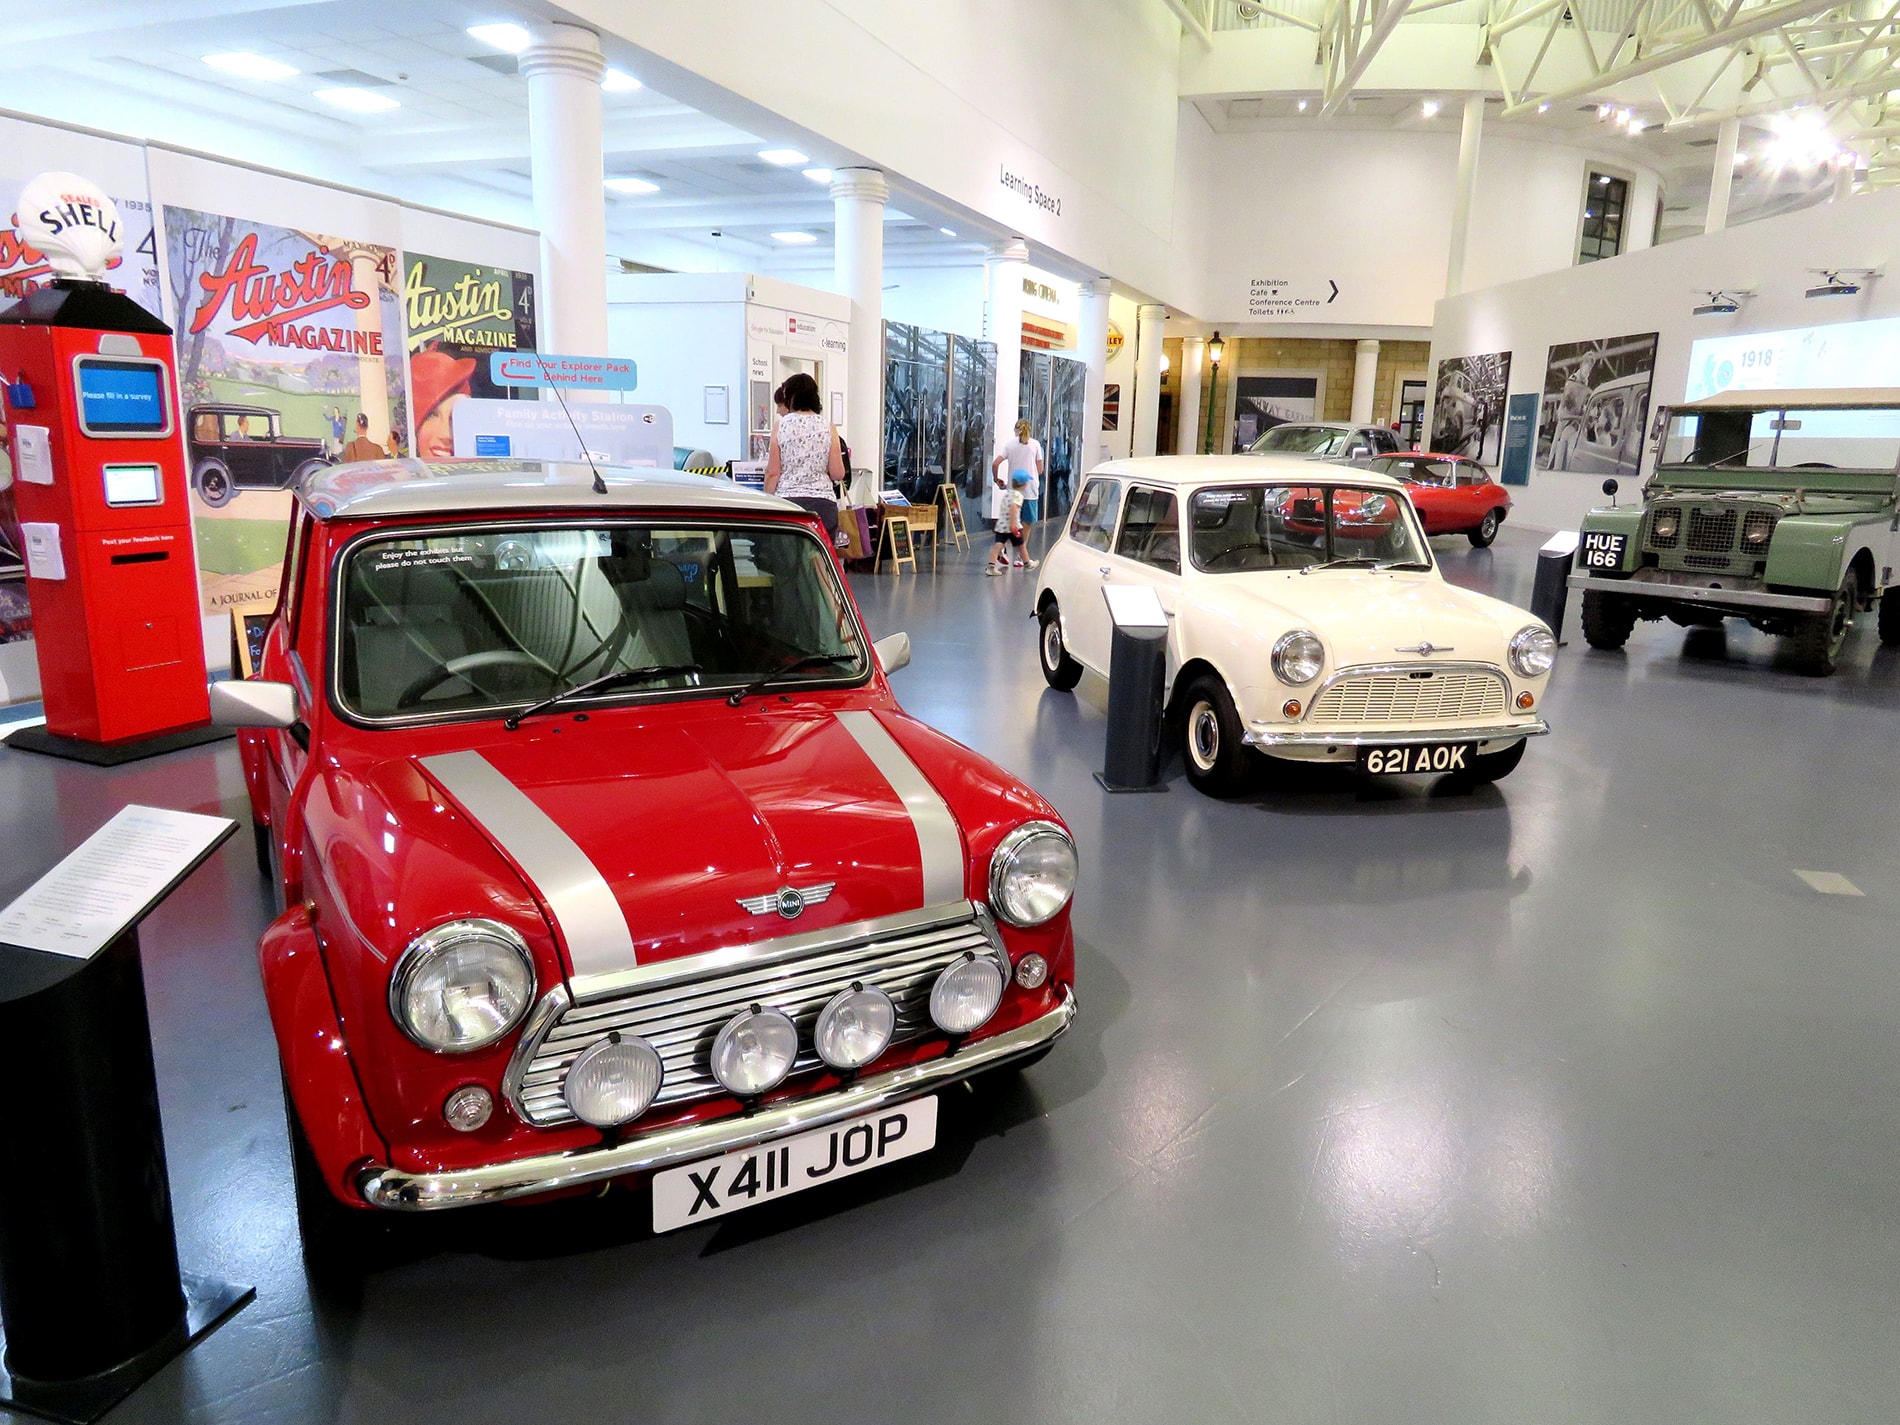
[(1567, 1100)]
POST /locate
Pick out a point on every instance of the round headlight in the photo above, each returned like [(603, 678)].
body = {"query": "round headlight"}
[(613, 1080), (855, 1027), (1298, 656), (1032, 873), (1665, 526), (1533, 651), (966, 994), (462, 986), (754, 1051), (1374, 507)]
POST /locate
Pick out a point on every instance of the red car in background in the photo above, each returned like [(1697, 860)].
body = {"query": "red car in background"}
[(1453, 494)]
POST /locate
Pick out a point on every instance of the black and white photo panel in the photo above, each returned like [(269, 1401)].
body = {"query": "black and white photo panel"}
[(1596, 405), (1468, 406)]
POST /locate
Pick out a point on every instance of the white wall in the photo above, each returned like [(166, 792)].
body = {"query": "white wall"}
[(1654, 290), (945, 299)]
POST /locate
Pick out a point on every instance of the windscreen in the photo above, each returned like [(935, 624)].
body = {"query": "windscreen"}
[(1785, 440), (1241, 528), (1299, 440), (484, 621)]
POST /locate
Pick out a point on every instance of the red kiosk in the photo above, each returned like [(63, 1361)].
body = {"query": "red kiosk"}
[(100, 489)]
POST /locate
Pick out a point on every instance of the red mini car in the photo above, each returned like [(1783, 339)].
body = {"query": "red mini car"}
[(1453, 494), (608, 853)]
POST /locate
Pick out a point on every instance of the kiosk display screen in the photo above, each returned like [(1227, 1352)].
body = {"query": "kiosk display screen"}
[(121, 397), (132, 485)]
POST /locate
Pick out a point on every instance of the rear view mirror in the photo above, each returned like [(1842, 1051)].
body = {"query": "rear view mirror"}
[(245, 703), (893, 653), (1610, 488)]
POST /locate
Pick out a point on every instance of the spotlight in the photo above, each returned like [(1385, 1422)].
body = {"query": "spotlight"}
[(1721, 303), (1841, 281), (1429, 108)]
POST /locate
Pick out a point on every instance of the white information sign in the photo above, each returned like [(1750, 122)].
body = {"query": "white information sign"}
[(1134, 606), (542, 430), (82, 904)]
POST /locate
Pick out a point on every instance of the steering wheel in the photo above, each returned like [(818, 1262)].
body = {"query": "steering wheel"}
[(459, 667), (1211, 560)]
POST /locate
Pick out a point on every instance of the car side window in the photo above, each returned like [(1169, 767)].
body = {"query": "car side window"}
[(1093, 523), (1151, 530), (1387, 442), (205, 428)]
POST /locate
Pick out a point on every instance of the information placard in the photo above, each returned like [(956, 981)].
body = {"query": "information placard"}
[(117, 875)]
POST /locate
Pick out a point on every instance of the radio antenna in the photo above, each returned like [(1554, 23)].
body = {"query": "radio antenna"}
[(600, 485)]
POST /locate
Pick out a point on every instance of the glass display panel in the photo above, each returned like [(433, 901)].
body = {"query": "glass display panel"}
[(122, 397)]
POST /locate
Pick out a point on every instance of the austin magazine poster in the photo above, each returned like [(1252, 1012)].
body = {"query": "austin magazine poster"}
[(456, 313), (289, 359)]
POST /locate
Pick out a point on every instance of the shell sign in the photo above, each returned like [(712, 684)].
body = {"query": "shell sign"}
[(1114, 340), (72, 223)]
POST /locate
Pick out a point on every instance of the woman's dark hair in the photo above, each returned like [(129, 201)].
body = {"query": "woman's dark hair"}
[(801, 393), (778, 396)]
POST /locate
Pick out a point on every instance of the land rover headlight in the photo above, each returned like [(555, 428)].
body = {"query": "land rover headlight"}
[(462, 986), (1032, 874), (1298, 656), (1533, 651), (1666, 525)]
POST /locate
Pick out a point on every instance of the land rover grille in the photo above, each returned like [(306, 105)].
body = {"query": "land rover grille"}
[(1709, 538)]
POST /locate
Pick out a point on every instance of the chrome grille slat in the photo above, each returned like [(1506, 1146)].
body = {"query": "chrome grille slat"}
[(1449, 695), (680, 1015)]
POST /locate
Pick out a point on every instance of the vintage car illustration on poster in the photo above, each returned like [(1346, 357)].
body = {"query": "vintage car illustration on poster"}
[(1775, 507), (235, 448), (609, 854), (1307, 621)]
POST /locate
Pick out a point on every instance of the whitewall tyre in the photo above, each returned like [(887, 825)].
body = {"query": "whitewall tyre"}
[(1059, 670), (1218, 762)]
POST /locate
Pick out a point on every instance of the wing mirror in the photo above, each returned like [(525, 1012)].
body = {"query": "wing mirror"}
[(245, 703), (1610, 487), (893, 653)]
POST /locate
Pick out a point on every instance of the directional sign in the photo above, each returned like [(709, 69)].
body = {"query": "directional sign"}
[(575, 373), (1300, 298)]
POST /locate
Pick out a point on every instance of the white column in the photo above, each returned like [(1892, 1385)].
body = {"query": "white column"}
[(858, 196), (1639, 218), (563, 68), (1469, 137), (1187, 418), (1150, 322), (1003, 324), (1365, 375), (1092, 334), (1722, 179)]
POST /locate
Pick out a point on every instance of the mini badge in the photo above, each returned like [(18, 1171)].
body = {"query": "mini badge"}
[(788, 901)]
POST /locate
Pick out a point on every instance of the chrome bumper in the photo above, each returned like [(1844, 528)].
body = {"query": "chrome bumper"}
[(551, 1172), (1701, 594), (1308, 737)]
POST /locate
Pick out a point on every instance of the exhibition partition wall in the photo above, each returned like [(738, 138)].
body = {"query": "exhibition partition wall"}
[(314, 323), (939, 391), (1052, 393), (1596, 349)]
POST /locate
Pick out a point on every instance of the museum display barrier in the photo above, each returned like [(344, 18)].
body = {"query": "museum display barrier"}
[(1137, 671)]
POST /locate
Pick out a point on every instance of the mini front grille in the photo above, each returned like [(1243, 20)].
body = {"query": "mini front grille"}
[(1711, 531), (1421, 695), (680, 1014)]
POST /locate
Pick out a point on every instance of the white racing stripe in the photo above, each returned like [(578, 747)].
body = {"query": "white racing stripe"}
[(939, 847), (585, 911)]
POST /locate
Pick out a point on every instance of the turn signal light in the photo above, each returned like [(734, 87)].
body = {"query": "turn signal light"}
[(1290, 708), (1524, 701)]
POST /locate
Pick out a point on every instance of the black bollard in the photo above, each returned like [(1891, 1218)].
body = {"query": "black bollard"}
[(1552, 590), (1137, 666)]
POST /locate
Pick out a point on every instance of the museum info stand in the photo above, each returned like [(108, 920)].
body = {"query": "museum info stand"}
[(1137, 667), (91, 1297)]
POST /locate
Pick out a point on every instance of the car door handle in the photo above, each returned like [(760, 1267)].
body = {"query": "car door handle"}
[(1103, 571)]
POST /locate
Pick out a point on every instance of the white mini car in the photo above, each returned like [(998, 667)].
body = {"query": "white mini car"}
[(1307, 620)]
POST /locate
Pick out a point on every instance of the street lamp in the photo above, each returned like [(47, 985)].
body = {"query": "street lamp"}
[(1215, 350)]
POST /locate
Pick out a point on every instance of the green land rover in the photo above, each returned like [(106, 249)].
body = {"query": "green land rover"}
[(1778, 507)]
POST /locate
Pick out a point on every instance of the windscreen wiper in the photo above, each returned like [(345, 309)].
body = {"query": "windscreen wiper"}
[(785, 670), (600, 684), (1345, 561), (1404, 564)]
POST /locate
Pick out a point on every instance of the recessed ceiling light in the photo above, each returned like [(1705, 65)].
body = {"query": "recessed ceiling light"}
[(618, 81), (507, 37), (1302, 106), (818, 175), (249, 66), (1543, 108), (948, 232), (357, 101), (793, 239), (629, 185), (783, 157), (1429, 108)]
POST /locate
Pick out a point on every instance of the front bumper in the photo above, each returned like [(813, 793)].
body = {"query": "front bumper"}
[(1702, 594), (1407, 737), (392, 1188)]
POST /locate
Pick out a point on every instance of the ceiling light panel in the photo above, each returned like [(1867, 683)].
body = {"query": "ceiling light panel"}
[(507, 37), (794, 239), (629, 185), (357, 101), (784, 157), (818, 175), (245, 65), (618, 81)]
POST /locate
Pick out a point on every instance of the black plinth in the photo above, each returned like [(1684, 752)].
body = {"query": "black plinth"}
[(1551, 590), (112, 754), (1137, 660)]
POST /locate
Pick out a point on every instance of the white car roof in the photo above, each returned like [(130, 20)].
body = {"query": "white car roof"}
[(371, 488), (1185, 470)]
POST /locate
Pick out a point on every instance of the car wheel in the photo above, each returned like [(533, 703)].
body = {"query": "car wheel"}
[(309, 467), (1815, 645), (1059, 670), (1490, 766), (1218, 762), (1607, 620), (1486, 531), (214, 484), (339, 1243), (1890, 616)]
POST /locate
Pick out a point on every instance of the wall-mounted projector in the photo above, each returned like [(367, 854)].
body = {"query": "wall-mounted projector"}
[(1841, 281), (1721, 303)]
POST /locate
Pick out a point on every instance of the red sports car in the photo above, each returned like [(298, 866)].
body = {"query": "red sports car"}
[(608, 854), (1454, 494)]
